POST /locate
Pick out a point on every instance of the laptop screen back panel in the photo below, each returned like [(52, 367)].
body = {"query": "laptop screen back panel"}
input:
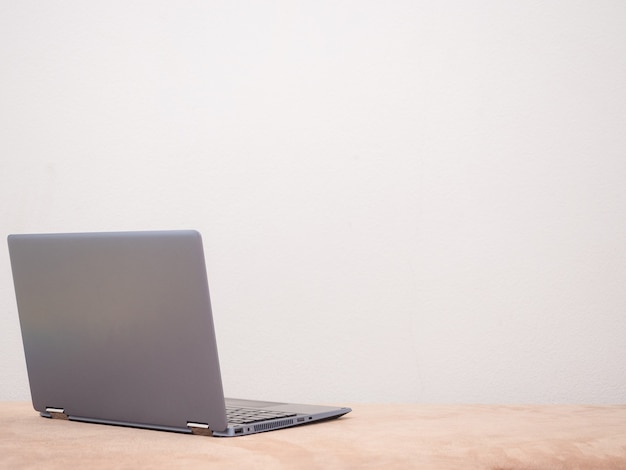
[(118, 327)]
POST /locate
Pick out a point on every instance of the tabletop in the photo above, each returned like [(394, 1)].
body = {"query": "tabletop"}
[(490, 437)]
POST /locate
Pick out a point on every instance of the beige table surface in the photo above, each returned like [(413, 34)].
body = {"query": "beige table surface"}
[(372, 436)]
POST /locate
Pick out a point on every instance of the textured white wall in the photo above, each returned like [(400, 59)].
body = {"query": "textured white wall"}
[(400, 201)]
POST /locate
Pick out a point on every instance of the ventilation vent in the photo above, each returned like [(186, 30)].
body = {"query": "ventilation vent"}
[(275, 424)]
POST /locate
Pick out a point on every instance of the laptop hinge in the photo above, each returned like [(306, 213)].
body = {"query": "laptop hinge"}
[(201, 429), (56, 413)]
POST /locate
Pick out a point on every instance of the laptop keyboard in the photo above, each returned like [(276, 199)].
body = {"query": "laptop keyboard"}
[(251, 415)]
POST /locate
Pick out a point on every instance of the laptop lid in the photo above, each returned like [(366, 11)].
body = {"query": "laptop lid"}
[(117, 327)]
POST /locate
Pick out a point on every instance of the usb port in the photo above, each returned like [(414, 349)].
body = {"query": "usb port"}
[(300, 420), (239, 431)]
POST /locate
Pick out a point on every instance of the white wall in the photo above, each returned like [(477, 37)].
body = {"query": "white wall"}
[(400, 200)]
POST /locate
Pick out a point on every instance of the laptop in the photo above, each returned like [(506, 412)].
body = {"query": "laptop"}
[(118, 329)]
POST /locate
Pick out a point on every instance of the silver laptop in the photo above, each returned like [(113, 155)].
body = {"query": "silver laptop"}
[(118, 329)]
